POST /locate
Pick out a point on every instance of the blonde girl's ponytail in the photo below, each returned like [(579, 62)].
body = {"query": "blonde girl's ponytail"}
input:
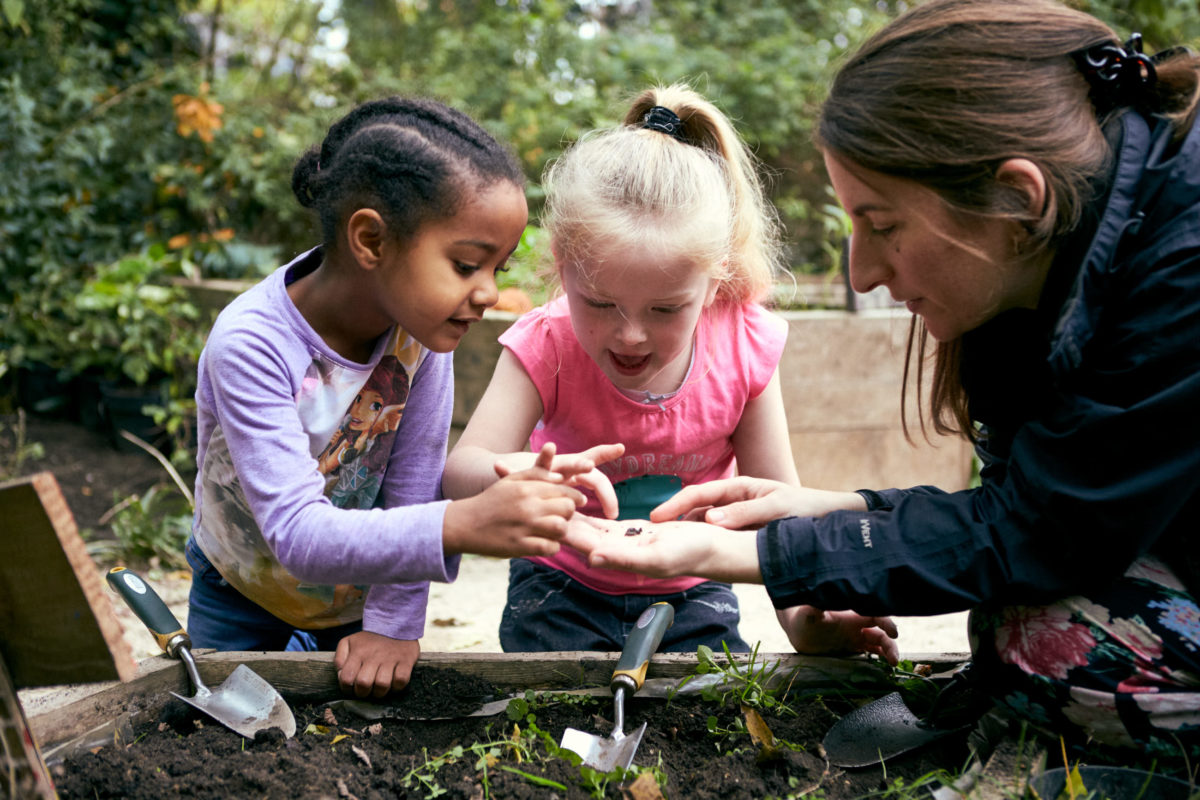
[(755, 252)]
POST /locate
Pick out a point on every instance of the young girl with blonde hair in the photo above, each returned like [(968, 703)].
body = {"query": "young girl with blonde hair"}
[(657, 368)]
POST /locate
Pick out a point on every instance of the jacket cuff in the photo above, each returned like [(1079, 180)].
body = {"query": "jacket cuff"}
[(875, 500), (780, 546)]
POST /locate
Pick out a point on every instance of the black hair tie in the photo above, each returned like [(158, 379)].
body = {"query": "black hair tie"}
[(1119, 75), (664, 120)]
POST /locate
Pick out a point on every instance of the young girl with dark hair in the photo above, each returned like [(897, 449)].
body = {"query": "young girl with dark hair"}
[(325, 395)]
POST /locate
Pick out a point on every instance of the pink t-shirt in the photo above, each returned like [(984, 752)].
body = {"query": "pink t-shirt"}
[(688, 435)]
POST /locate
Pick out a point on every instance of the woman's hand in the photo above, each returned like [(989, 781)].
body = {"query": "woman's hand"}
[(747, 503), (813, 631), (667, 549)]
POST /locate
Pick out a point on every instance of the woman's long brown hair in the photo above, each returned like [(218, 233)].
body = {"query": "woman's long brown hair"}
[(949, 91)]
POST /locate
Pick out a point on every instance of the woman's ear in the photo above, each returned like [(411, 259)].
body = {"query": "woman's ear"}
[(366, 233), (1027, 178)]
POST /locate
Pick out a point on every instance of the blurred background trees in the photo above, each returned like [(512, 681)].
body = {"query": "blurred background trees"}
[(157, 136)]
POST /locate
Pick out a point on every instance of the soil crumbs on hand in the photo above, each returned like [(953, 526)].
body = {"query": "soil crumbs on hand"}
[(476, 757)]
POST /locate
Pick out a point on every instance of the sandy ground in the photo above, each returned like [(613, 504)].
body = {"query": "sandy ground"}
[(464, 616)]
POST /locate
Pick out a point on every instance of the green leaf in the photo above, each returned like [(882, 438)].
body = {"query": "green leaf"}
[(535, 779), (14, 11)]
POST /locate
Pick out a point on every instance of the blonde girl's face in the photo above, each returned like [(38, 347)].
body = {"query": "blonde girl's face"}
[(635, 314), (956, 277)]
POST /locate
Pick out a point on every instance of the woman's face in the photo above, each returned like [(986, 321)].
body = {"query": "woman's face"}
[(955, 276)]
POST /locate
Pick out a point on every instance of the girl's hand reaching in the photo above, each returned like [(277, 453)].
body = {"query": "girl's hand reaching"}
[(579, 469), (524, 513), (813, 631)]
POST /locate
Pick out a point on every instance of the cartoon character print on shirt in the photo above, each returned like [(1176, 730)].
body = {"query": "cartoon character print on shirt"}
[(356, 457)]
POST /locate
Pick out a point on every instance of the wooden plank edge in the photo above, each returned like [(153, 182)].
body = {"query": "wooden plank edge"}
[(310, 677), (63, 522)]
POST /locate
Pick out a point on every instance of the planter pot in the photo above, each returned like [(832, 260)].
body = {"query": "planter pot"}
[(41, 390), (1112, 782), (841, 374), (122, 407), (89, 405)]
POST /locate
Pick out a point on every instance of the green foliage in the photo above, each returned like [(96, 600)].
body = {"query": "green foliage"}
[(756, 684), (529, 265), (136, 125), (129, 322), (148, 528), (1163, 23), (15, 448)]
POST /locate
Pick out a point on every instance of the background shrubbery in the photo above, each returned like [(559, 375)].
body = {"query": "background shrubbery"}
[(148, 141)]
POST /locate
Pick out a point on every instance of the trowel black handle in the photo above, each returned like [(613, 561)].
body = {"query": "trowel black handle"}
[(641, 643), (150, 609)]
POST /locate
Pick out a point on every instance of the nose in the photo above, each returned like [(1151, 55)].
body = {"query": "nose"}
[(484, 292), (630, 331), (868, 270)]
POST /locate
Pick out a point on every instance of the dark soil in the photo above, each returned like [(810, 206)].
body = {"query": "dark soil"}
[(93, 474), (344, 756)]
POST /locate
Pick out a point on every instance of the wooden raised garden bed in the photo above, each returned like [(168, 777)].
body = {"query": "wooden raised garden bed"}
[(145, 743)]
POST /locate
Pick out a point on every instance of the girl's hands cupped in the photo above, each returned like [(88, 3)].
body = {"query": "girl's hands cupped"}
[(524, 513), (578, 469)]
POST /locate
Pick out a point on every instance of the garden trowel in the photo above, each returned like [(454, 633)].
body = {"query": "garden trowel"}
[(244, 702), (887, 727), (617, 749)]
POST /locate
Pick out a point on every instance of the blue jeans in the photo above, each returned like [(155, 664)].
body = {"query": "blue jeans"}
[(221, 617), (548, 610)]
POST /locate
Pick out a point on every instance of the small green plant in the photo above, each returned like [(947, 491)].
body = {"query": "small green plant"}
[(757, 684), (16, 449), (736, 729), (152, 527)]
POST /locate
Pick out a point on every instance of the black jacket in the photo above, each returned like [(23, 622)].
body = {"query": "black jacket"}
[(1090, 415)]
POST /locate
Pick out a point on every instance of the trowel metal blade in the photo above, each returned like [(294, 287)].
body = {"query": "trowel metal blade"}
[(604, 753), (877, 731), (246, 704)]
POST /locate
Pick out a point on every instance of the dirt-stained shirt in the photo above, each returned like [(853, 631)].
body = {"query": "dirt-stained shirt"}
[(318, 488)]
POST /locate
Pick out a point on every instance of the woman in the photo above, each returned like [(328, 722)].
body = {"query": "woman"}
[(1029, 187)]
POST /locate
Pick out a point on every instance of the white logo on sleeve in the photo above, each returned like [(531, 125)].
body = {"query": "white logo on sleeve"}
[(864, 527)]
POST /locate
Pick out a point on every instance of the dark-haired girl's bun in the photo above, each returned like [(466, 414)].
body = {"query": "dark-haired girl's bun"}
[(304, 177)]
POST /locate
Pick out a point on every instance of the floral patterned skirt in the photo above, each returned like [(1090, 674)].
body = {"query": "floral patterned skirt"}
[(1119, 668)]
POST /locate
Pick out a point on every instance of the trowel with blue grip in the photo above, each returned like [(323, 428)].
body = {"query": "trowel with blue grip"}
[(606, 753)]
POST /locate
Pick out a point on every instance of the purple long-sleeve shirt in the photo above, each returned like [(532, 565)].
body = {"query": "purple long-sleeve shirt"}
[(272, 398)]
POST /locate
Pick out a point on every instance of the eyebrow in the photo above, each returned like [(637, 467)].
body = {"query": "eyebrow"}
[(858, 211), (489, 246)]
